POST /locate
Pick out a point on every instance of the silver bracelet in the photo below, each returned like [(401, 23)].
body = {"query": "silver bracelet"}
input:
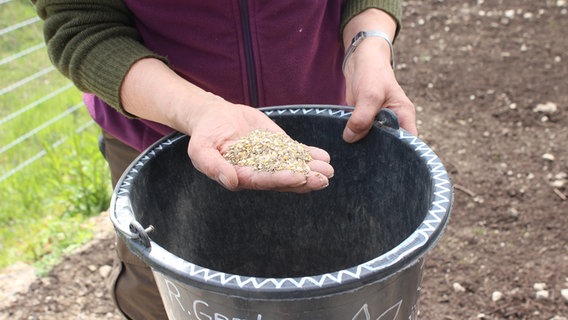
[(362, 35)]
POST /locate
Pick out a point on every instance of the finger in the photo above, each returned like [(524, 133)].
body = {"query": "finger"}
[(321, 167), (407, 118), (409, 125), (249, 178), (314, 181), (319, 154), (359, 123), (282, 181), (210, 162)]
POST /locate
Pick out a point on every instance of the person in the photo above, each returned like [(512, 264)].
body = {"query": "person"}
[(149, 68)]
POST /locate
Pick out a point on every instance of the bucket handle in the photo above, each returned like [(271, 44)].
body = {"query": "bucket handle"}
[(140, 234), (387, 117)]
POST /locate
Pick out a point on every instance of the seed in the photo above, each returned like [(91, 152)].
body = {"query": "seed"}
[(269, 152)]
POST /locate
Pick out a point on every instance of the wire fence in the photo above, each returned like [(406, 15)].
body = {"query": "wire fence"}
[(25, 72), (18, 25)]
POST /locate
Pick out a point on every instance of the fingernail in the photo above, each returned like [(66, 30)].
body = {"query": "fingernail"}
[(348, 135), (223, 180), (324, 181), (300, 183)]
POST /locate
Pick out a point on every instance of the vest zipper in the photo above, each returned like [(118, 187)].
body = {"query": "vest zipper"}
[(249, 55)]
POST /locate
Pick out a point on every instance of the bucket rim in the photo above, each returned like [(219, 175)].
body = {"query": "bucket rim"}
[(406, 253)]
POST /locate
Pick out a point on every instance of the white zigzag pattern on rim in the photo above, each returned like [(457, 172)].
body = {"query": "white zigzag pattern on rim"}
[(439, 207), (340, 113), (240, 281)]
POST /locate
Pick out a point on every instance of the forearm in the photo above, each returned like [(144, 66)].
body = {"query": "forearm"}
[(151, 90), (354, 8), (370, 19), (382, 16), (93, 43)]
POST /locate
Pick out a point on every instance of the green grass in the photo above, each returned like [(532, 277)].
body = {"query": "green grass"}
[(44, 207)]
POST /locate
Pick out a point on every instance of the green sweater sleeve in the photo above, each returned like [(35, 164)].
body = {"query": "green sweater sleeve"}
[(354, 7), (93, 43)]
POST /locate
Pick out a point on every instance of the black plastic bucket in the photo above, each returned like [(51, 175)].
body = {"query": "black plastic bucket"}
[(353, 251)]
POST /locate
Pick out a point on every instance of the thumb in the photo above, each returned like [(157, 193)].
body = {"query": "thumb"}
[(359, 123), (407, 117), (211, 163)]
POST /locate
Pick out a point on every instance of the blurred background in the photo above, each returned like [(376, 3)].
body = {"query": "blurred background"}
[(52, 175)]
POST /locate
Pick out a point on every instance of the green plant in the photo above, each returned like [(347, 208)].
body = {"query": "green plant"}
[(48, 206)]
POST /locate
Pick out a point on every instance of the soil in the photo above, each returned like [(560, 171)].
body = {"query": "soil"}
[(490, 82)]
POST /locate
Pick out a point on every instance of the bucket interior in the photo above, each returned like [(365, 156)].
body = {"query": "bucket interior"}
[(380, 194)]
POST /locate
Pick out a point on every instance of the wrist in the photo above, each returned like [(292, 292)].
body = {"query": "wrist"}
[(153, 91), (360, 37), (195, 107), (370, 19)]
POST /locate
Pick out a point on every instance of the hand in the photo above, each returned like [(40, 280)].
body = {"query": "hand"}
[(213, 125), (371, 86), (216, 127), (370, 81)]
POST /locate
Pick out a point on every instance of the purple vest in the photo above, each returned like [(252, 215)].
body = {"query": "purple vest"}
[(259, 53)]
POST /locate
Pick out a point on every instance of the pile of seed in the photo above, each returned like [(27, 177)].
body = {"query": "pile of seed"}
[(269, 152)]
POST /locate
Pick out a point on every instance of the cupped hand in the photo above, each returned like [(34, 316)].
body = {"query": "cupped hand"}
[(216, 127)]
